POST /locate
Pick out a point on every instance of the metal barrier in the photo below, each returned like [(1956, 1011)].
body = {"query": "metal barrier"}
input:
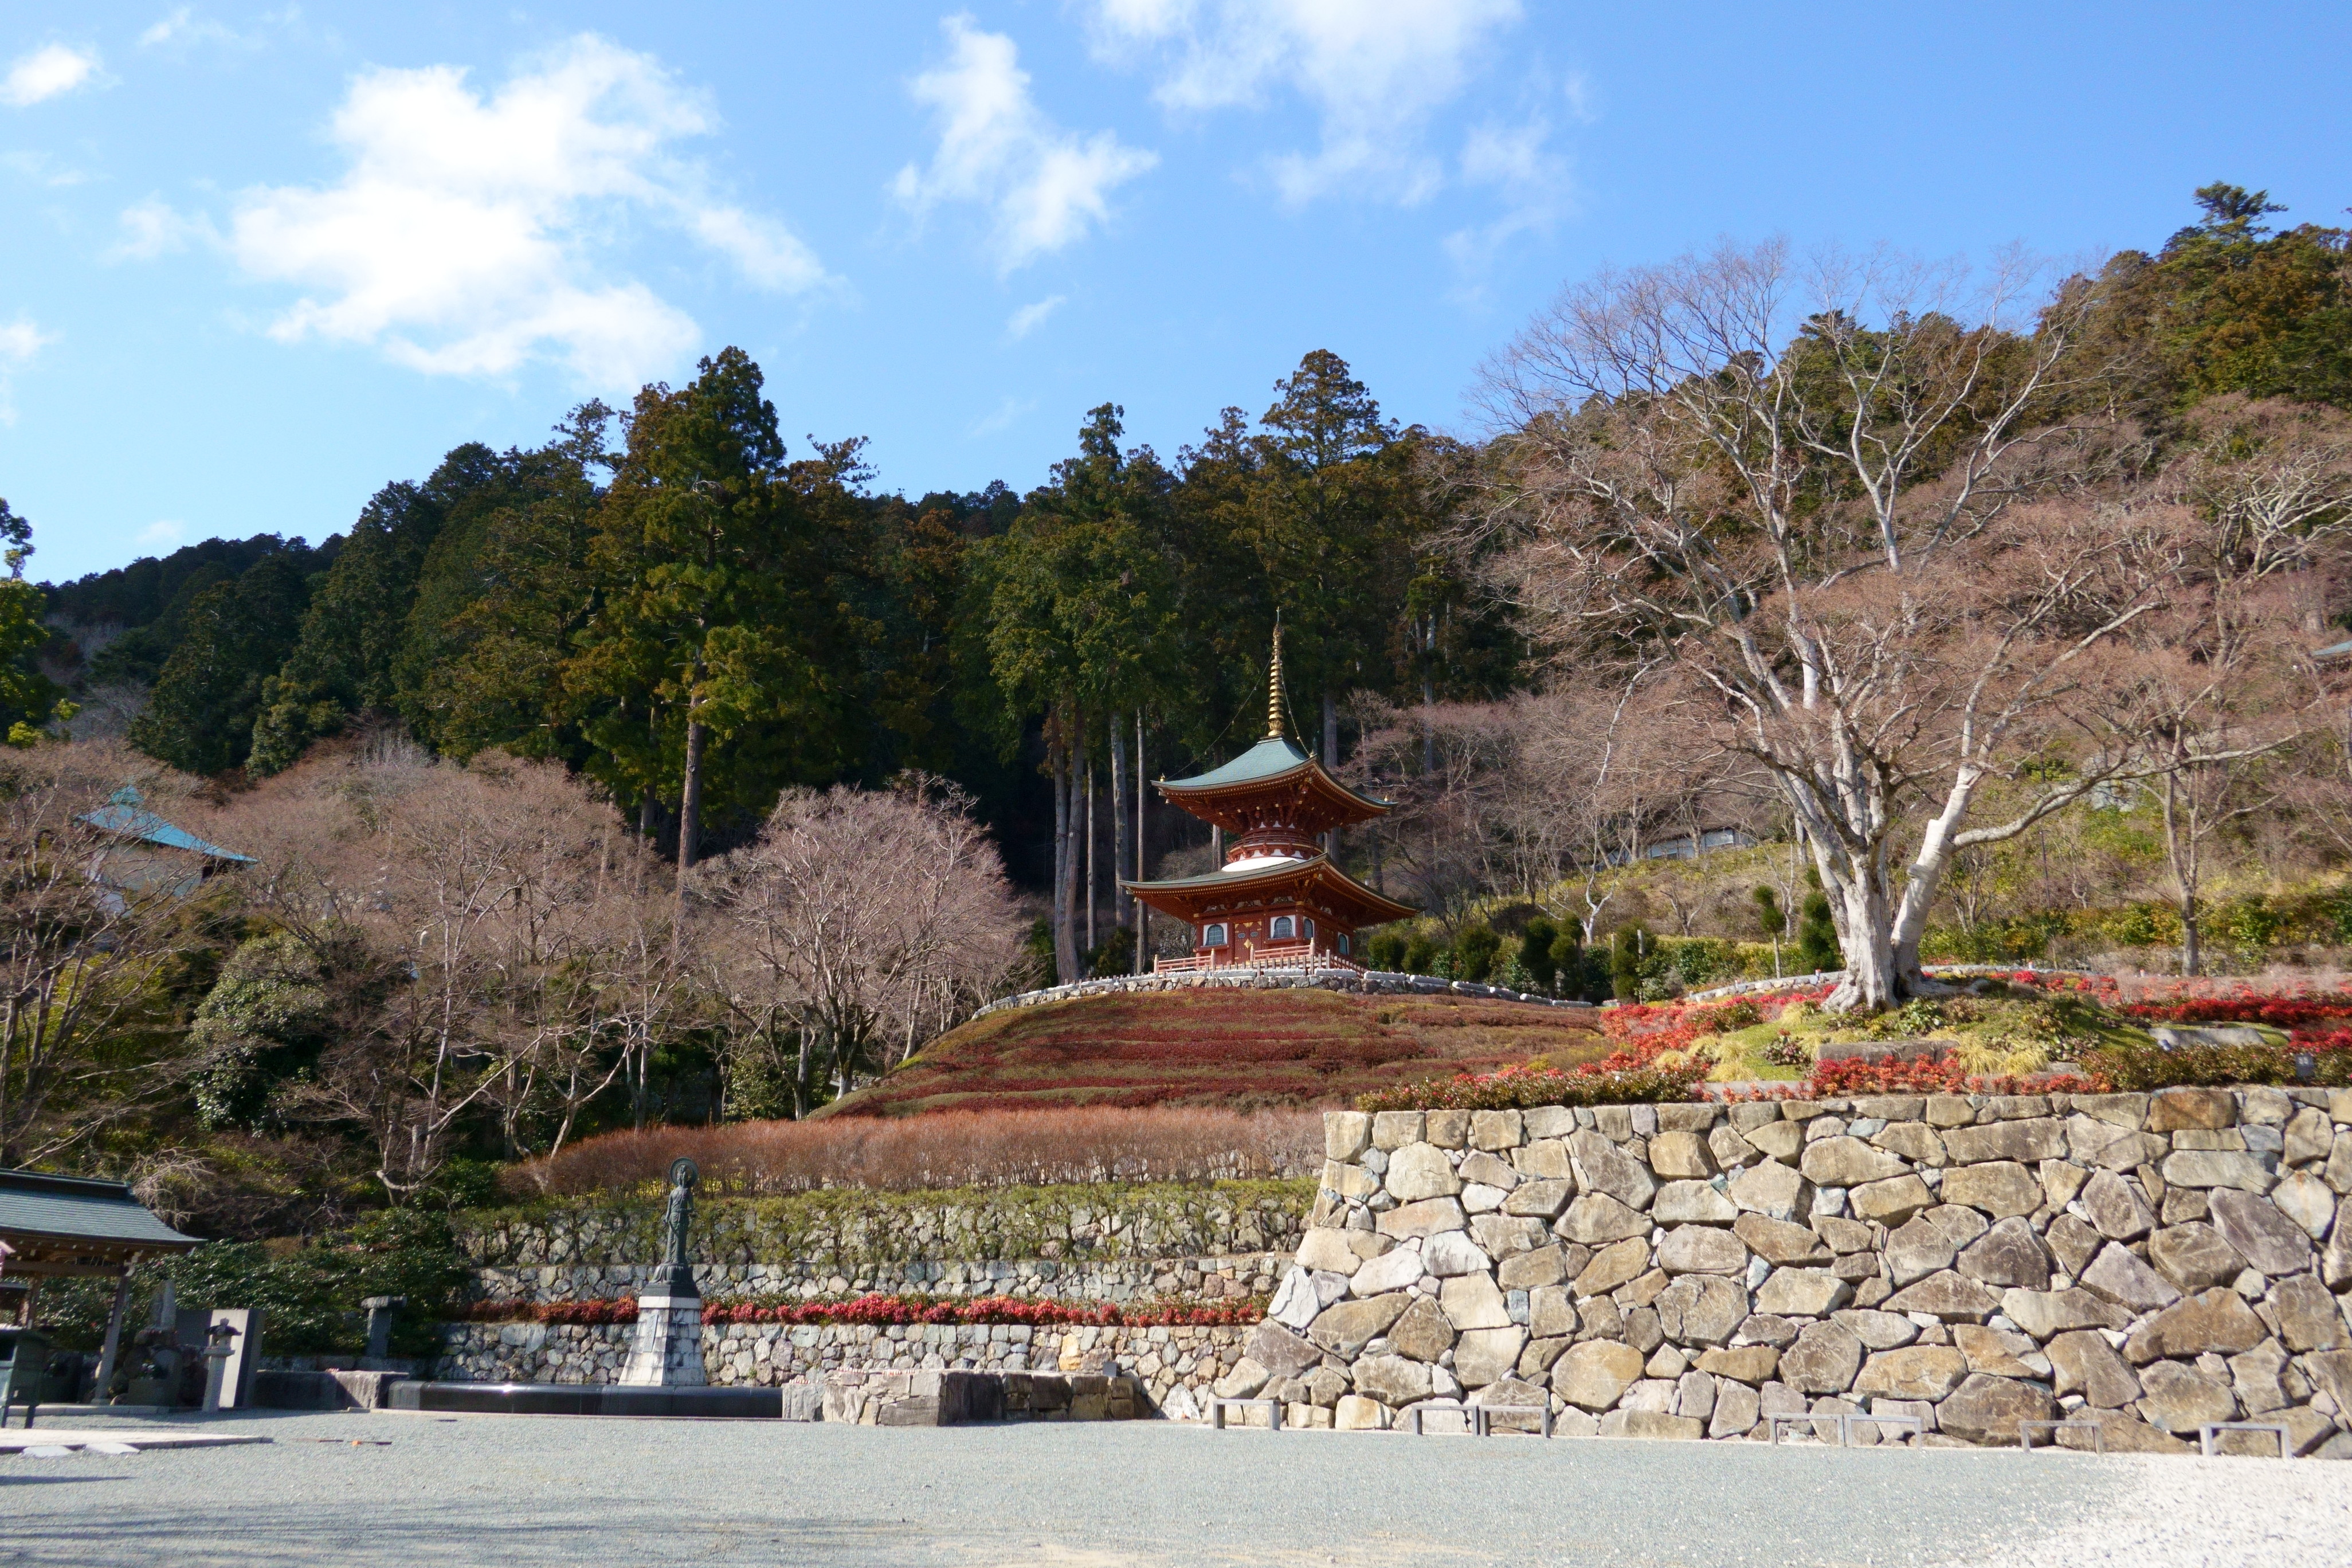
[(1845, 1424), (2207, 1431), (2025, 1430), (1272, 1412)]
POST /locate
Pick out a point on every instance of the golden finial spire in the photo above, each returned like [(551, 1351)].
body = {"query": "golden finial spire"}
[(1273, 694)]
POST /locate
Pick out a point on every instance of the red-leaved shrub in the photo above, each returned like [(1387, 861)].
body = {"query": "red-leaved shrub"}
[(893, 1310), (948, 1149)]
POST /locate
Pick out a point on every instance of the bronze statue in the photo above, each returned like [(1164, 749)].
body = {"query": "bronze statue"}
[(677, 1273)]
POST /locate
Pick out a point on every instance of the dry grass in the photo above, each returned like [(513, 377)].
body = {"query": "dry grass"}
[(950, 1149)]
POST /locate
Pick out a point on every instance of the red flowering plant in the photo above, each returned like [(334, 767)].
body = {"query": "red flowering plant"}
[(1940, 1075), (888, 1311), (1620, 1079)]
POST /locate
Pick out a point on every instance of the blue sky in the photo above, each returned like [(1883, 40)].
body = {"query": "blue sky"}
[(258, 262)]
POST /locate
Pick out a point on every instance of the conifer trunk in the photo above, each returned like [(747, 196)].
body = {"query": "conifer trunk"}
[(689, 803), (1143, 909), (1120, 870), (1093, 879), (1066, 960)]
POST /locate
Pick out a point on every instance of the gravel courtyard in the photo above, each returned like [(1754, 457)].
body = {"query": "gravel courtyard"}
[(516, 1489)]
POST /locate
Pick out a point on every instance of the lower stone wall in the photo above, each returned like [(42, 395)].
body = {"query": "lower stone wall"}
[(1174, 1366), (1081, 1279), (2146, 1262)]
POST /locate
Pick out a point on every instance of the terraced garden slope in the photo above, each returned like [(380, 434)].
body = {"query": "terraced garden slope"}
[(1244, 1049)]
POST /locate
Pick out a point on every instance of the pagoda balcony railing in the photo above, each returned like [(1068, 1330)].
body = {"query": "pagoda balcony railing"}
[(1278, 955)]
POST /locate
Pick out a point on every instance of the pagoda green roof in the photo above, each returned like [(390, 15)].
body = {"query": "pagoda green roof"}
[(1275, 757)]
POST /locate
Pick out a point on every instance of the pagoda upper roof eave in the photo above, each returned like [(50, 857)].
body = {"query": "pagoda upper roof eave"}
[(1276, 760)]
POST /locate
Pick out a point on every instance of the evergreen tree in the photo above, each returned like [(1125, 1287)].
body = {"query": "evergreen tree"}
[(209, 693), (1817, 937), (29, 700)]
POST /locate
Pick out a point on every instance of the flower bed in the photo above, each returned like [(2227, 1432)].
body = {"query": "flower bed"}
[(889, 1311)]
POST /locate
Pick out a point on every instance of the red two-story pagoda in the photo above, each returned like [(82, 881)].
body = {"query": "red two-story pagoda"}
[(1278, 898)]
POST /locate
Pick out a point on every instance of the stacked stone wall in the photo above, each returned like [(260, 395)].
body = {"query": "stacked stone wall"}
[(1172, 1365), (1207, 1279), (2149, 1263)]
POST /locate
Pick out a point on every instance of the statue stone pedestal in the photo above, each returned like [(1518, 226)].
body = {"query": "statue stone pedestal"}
[(667, 1351)]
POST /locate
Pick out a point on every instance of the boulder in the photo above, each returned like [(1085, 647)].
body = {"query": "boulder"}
[(1390, 1271), (1472, 1301), (2107, 1147), (1393, 1379), (1393, 1130), (1421, 1332), (1507, 1236), (1654, 1424), (2335, 1263), (1823, 1360), (2086, 1365), (2263, 1236), (2121, 1432), (1349, 1327), (1765, 1329), (2124, 1280), (1878, 1330), (1550, 1312), (2116, 1209), (1593, 1375), (1952, 1296), (2254, 1378), (2032, 1138), (1731, 1150), (2176, 1398), (1770, 1189), (1346, 1134), (1847, 1161), (1497, 1130), (1487, 1171), (1702, 1308), (1446, 1129), (1890, 1201), (1802, 1293), (1839, 1235), (1777, 1241), (1535, 1360), (1483, 1355), (1702, 1249), (1692, 1203), (2306, 1200), (1695, 1395), (2309, 1135), (1327, 1249), (2217, 1168), (2194, 1257), (1779, 1140), (1681, 1156), (1431, 1216), (1914, 1141), (2007, 1253), (2332, 1370), (1419, 1171), (2308, 1319), (1354, 1413), (1752, 1365), (2172, 1110), (1280, 1352), (1597, 1217), (1615, 1265), (2216, 1319), (1917, 1250), (1244, 1382), (1602, 1167), (1918, 1371), (2004, 1353), (1985, 1409), (2043, 1313), (1736, 1410), (1546, 1159), (1296, 1302), (1452, 1252), (1962, 1224), (2073, 1243), (1545, 1266), (2000, 1187), (1539, 1199)]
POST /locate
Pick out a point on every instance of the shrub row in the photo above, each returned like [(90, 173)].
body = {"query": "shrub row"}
[(887, 1311), (1522, 1088)]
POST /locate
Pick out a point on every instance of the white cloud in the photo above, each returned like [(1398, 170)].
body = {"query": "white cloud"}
[(153, 228), (163, 533), (1003, 416), (45, 73), (1537, 190), (1375, 70), (183, 25), (1046, 186), (1029, 318), (460, 240), (20, 342)]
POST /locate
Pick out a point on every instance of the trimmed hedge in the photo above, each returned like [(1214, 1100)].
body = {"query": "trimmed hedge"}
[(1521, 1088)]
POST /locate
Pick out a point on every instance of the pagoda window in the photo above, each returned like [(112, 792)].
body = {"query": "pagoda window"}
[(1213, 936), (1343, 944), (1284, 928), (1310, 930)]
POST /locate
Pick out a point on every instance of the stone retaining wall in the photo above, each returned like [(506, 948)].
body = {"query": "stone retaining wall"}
[(1172, 1364), (1370, 982), (1174, 1278), (2146, 1262), (852, 1233)]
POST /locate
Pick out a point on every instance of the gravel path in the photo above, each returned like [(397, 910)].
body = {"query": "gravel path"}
[(421, 1489)]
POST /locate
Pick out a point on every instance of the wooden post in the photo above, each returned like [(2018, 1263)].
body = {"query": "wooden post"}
[(1143, 909), (106, 1357)]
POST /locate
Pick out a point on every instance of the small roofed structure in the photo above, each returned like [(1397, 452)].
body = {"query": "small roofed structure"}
[(1278, 898), (147, 855), (57, 1227)]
